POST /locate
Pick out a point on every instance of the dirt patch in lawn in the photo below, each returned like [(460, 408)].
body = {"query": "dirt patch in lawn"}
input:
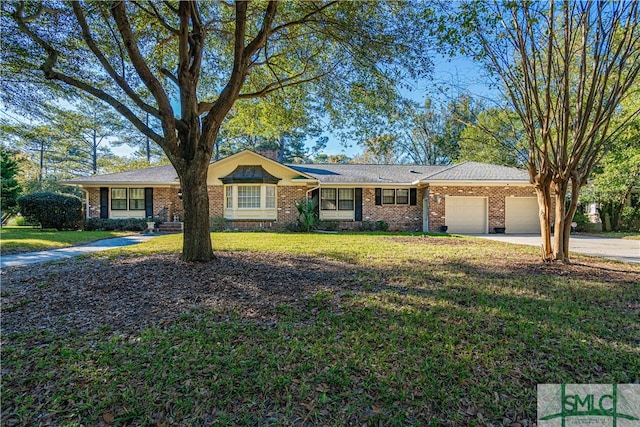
[(130, 294)]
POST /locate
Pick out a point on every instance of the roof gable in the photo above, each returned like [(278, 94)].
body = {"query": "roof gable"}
[(221, 169)]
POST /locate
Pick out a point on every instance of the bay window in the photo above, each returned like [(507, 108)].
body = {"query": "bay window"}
[(250, 202)]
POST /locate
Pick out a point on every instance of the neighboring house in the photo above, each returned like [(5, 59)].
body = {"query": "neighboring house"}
[(252, 190)]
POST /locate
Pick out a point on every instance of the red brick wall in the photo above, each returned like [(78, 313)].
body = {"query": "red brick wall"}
[(496, 198), (167, 204), (399, 217), (94, 202)]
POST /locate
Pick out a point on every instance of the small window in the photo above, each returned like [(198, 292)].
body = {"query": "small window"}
[(402, 196), (328, 199), (388, 197), (229, 197), (270, 201), (119, 199), (249, 197), (345, 199), (136, 199)]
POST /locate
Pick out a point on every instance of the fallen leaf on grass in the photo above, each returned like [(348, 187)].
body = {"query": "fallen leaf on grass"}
[(108, 417)]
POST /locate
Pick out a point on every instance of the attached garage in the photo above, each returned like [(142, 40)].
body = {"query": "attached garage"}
[(521, 215), (466, 215)]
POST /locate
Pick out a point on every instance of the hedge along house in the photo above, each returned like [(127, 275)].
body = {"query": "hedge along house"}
[(255, 191)]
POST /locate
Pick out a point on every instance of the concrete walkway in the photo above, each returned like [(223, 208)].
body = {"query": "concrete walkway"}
[(58, 254), (605, 247)]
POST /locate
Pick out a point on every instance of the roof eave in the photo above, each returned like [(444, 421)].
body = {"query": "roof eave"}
[(475, 182), (120, 183)]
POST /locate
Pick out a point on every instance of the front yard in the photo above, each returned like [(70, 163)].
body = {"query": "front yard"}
[(311, 329)]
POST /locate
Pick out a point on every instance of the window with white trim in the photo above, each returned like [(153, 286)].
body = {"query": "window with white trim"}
[(341, 199), (345, 199), (328, 199), (270, 197), (250, 196), (229, 196)]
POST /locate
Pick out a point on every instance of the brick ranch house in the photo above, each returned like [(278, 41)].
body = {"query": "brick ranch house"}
[(254, 191)]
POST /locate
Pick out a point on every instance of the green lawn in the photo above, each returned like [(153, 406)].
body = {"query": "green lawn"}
[(316, 329), (30, 239)]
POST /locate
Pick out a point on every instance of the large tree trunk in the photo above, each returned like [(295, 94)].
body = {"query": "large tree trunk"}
[(195, 199)]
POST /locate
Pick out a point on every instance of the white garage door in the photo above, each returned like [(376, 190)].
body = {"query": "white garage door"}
[(521, 215), (466, 215)]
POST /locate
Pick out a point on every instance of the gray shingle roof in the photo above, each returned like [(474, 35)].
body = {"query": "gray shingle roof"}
[(338, 174), (473, 171), (155, 175), (371, 174)]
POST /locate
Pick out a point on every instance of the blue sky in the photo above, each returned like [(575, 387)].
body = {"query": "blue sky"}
[(451, 77)]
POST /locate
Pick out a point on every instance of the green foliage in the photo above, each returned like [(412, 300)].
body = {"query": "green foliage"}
[(617, 175), (496, 137), (630, 219), (307, 215), (112, 224), (52, 210), (217, 223), (581, 220), (426, 134), (11, 189)]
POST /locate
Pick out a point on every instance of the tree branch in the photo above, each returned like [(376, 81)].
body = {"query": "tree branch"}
[(86, 34)]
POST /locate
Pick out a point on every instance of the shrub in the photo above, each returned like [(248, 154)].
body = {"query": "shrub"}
[(52, 210), (123, 224), (217, 223), (294, 227), (367, 225), (382, 225), (630, 219), (581, 220), (307, 215)]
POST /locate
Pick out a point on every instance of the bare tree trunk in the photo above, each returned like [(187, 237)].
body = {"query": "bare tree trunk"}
[(41, 172), (94, 153), (560, 229), (544, 213)]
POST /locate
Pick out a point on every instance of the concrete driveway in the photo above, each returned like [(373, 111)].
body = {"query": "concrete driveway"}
[(604, 247), (58, 254)]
